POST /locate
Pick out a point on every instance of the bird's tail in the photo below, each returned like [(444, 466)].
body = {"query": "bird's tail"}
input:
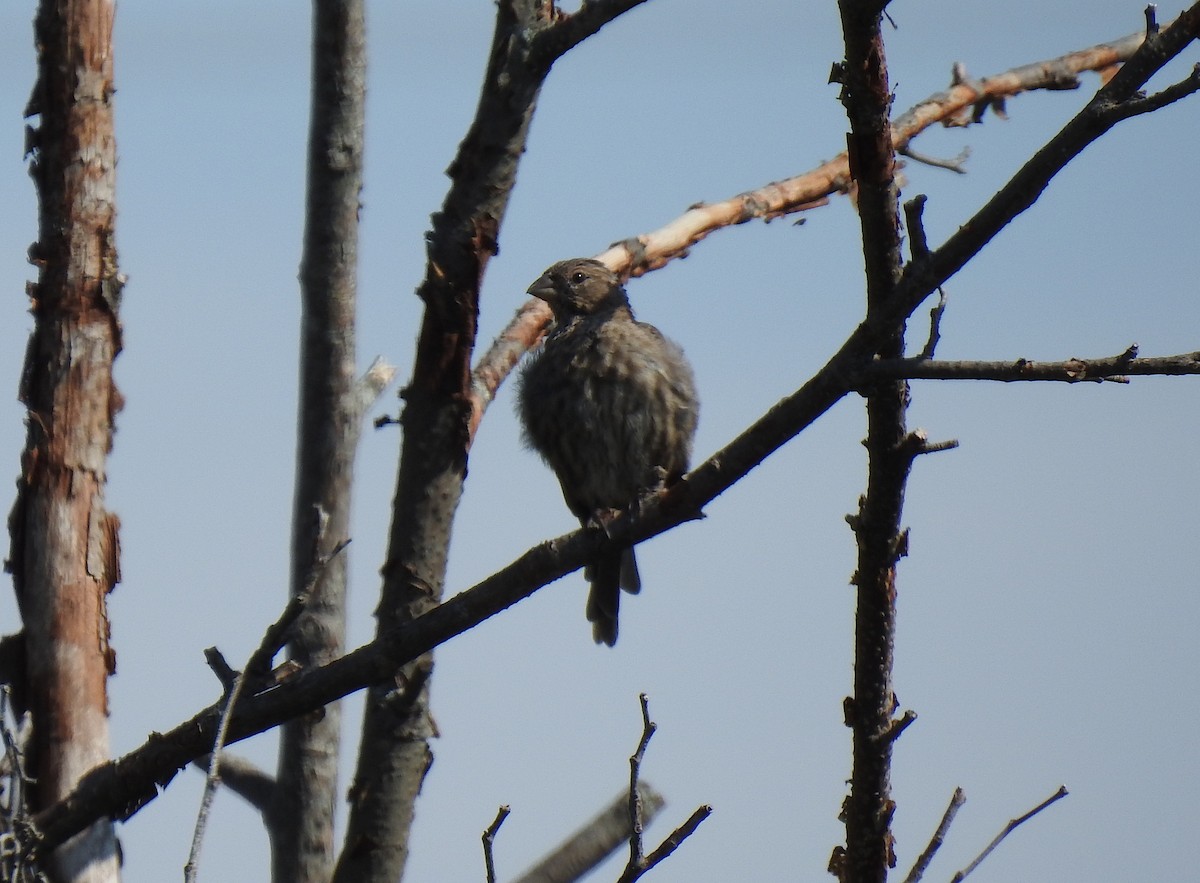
[(608, 576)]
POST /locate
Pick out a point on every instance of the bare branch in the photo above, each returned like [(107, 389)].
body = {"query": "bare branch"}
[(638, 863), (224, 672), (259, 665), (914, 220), (939, 837), (595, 841), (1150, 103), (646, 252), (635, 797), (489, 837), (245, 779), (1024, 188), (902, 723), (212, 780), (378, 377), (65, 543), (331, 403), (1112, 369), (957, 165), (256, 670), (16, 833), (935, 326), (914, 211), (1008, 829), (121, 787), (568, 31), (680, 834)]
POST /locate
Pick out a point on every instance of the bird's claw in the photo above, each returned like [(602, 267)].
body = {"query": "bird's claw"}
[(603, 518)]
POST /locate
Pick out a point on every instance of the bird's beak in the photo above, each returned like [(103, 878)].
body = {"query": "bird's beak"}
[(544, 289)]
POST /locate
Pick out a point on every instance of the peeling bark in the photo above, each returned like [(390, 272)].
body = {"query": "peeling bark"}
[(65, 547)]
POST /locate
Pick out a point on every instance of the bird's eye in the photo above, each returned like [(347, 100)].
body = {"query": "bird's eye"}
[(577, 277)]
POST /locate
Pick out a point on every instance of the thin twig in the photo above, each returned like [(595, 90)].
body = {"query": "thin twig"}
[(957, 165), (259, 664), (279, 632), (489, 837), (939, 837), (1111, 369), (1150, 103), (902, 723), (635, 771), (914, 220), (640, 863), (212, 781), (225, 672), (1008, 829), (245, 779), (680, 834), (935, 325)]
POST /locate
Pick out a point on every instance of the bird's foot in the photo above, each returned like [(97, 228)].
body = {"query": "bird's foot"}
[(602, 518)]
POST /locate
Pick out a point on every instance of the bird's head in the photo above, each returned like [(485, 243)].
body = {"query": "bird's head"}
[(579, 287)]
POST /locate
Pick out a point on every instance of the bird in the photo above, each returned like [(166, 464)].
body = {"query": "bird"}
[(610, 404)]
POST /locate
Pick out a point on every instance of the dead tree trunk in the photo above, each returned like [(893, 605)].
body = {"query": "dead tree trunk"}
[(64, 554)]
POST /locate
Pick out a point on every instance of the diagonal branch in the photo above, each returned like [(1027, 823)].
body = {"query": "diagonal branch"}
[(1012, 825), (957, 799), (1139, 105), (547, 45), (650, 251), (1105, 109), (123, 786)]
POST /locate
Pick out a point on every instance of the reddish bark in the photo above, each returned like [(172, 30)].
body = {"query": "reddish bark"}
[(64, 556)]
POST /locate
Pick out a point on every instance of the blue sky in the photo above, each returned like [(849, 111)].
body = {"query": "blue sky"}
[(1049, 603)]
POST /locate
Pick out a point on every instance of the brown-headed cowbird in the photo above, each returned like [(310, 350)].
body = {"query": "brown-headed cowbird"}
[(611, 406)]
